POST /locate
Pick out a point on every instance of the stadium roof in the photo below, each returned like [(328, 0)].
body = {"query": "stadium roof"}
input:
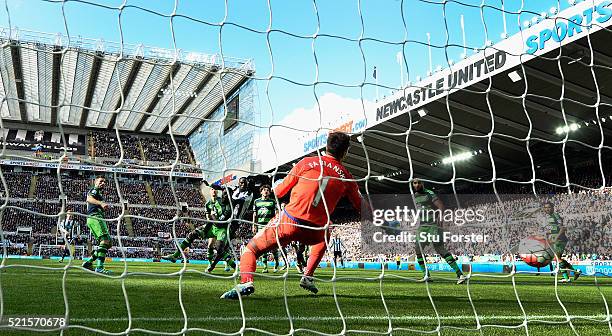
[(49, 79), (510, 116)]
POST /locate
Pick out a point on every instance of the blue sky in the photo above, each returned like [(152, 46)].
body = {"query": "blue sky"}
[(353, 37)]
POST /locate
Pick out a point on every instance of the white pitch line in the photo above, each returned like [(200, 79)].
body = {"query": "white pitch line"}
[(602, 318)]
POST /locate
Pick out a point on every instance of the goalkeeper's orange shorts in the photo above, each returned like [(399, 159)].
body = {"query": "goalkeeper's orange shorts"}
[(283, 229)]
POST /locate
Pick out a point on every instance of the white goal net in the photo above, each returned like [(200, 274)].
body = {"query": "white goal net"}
[(488, 108)]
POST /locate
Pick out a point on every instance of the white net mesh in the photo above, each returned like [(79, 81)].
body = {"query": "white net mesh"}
[(421, 86)]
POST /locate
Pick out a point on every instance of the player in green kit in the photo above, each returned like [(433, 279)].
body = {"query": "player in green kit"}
[(558, 240), (97, 225), (427, 201), (212, 206), (264, 209), (221, 211)]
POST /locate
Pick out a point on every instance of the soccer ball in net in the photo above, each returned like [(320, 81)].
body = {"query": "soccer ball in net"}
[(535, 251)]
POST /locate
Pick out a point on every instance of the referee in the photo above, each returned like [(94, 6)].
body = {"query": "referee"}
[(338, 248)]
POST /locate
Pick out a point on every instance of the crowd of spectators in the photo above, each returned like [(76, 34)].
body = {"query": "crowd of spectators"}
[(133, 191), (106, 145), (188, 193), (154, 148), (18, 184), (163, 150)]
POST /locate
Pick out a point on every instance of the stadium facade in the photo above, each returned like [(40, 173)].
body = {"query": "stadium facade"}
[(223, 150)]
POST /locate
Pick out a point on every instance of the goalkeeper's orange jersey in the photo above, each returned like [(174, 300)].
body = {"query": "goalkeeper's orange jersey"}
[(306, 202)]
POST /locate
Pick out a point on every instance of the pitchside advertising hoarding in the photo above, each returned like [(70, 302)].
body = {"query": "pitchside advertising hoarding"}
[(569, 25)]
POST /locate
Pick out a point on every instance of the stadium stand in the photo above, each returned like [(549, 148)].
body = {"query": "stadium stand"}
[(140, 148)]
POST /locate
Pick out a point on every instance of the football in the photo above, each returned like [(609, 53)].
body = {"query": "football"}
[(535, 251)]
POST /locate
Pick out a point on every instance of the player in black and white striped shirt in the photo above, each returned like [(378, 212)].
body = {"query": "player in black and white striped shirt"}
[(338, 248), (69, 230)]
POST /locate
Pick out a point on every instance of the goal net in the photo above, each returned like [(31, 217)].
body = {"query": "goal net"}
[(479, 135)]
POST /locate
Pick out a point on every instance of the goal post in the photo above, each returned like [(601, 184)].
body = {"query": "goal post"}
[(77, 252)]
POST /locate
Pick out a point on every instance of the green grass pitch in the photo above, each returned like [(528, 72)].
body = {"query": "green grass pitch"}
[(354, 302)]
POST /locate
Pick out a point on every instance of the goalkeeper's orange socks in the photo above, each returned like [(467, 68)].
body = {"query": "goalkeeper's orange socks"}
[(316, 254), (453, 263), (248, 262)]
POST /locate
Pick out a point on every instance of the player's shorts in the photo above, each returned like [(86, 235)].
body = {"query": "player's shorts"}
[(338, 254), (429, 234), (282, 230), (212, 231), (219, 233), (98, 228)]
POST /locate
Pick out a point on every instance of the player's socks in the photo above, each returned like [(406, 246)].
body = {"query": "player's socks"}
[(565, 275), (275, 255), (182, 246), (264, 261), (300, 261), (248, 262), (421, 262), (94, 256), (565, 264), (453, 264), (316, 254), (102, 249), (231, 263)]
